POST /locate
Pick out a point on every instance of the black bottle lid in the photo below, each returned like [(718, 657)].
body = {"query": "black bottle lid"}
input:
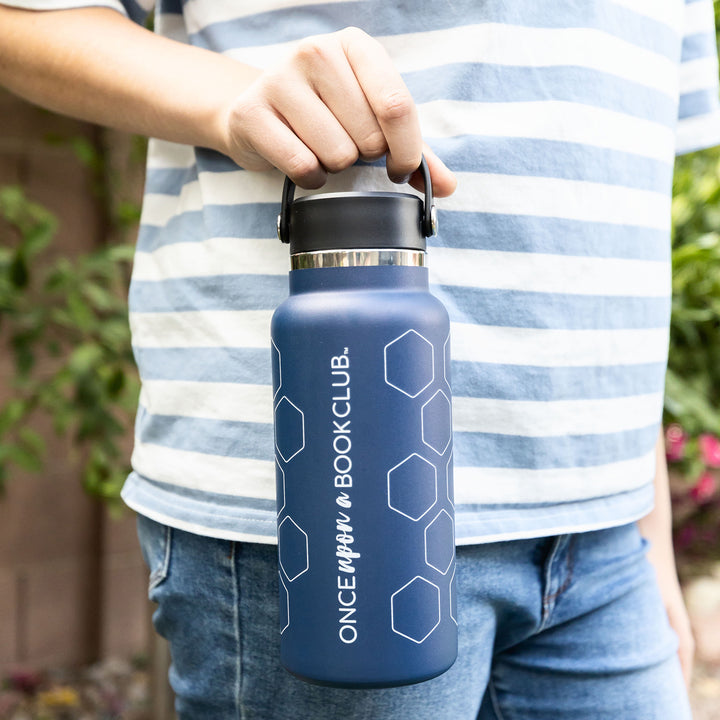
[(346, 221)]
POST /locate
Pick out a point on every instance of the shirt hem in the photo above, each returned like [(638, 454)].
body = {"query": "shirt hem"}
[(63, 4), (572, 528), (478, 527)]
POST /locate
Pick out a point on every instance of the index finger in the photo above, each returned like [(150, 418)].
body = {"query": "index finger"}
[(389, 99)]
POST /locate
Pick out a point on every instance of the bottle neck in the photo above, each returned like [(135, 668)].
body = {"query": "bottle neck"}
[(370, 257), (361, 277)]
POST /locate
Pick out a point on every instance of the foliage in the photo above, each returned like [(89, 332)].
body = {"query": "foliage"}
[(693, 379), (692, 390), (66, 325), (692, 387)]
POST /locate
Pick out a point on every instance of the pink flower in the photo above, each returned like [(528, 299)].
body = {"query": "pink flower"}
[(710, 450), (675, 441), (25, 681), (704, 488)]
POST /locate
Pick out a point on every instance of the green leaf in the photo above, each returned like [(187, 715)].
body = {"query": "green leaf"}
[(81, 314), (115, 383), (121, 253), (24, 458), (86, 152), (18, 272), (689, 407), (84, 358), (11, 413), (32, 441)]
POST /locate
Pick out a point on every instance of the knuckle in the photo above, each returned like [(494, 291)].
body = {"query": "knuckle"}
[(312, 51), (353, 33), (272, 87), (395, 105), (244, 119), (373, 145), (302, 168), (341, 157), (247, 112)]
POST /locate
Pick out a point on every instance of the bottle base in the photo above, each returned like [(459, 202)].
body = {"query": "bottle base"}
[(370, 683)]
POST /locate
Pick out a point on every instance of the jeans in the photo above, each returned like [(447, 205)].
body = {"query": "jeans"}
[(560, 628)]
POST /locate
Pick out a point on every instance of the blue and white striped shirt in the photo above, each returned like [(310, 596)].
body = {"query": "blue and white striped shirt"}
[(561, 120)]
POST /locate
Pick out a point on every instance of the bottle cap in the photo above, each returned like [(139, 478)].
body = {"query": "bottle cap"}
[(346, 221)]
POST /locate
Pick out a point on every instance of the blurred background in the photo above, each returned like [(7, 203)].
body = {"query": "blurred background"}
[(75, 637)]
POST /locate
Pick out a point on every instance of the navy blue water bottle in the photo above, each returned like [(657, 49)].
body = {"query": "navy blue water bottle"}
[(363, 444)]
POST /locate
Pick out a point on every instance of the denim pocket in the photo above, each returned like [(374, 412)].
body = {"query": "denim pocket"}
[(155, 543)]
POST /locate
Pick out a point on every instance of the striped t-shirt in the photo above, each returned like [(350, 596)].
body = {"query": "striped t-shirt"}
[(561, 120)]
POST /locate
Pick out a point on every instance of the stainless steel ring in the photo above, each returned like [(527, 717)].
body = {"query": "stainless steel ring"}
[(357, 258)]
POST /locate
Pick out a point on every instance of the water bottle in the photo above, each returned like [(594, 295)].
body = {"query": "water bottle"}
[(363, 444)]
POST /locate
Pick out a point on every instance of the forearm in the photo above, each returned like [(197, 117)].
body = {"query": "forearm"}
[(337, 97), (657, 528), (96, 65)]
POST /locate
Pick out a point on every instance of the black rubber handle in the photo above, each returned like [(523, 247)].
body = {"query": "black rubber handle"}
[(429, 222)]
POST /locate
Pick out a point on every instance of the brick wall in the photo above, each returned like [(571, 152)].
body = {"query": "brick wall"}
[(72, 582)]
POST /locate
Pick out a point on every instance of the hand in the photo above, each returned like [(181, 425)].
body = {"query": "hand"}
[(674, 607), (680, 623), (336, 99)]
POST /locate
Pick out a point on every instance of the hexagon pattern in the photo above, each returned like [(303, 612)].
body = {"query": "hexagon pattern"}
[(453, 598), (412, 487), (415, 609), (284, 606), (293, 549), (437, 422), (280, 488), (440, 542), (447, 360), (409, 363), (290, 429), (276, 367)]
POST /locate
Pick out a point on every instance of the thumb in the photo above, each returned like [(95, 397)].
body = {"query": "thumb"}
[(443, 180)]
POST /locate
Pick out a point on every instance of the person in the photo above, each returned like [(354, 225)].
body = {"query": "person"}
[(560, 122)]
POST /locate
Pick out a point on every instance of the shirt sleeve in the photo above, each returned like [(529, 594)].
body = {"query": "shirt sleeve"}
[(136, 10), (699, 109)]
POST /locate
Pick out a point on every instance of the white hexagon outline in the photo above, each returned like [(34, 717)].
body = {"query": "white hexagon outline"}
[(302, 425), (287, 603), (430, 507), (452, 585), (392, 610), (279, 356), (432, 362), (448, 479), (282, 473), (452, 557), (307, 552), (422, 423), (446, 359)]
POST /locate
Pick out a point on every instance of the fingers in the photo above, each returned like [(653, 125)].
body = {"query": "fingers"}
[(337, 98), (390, 100), (333, 79), (306, 117), (680, 623), (259, 138)]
